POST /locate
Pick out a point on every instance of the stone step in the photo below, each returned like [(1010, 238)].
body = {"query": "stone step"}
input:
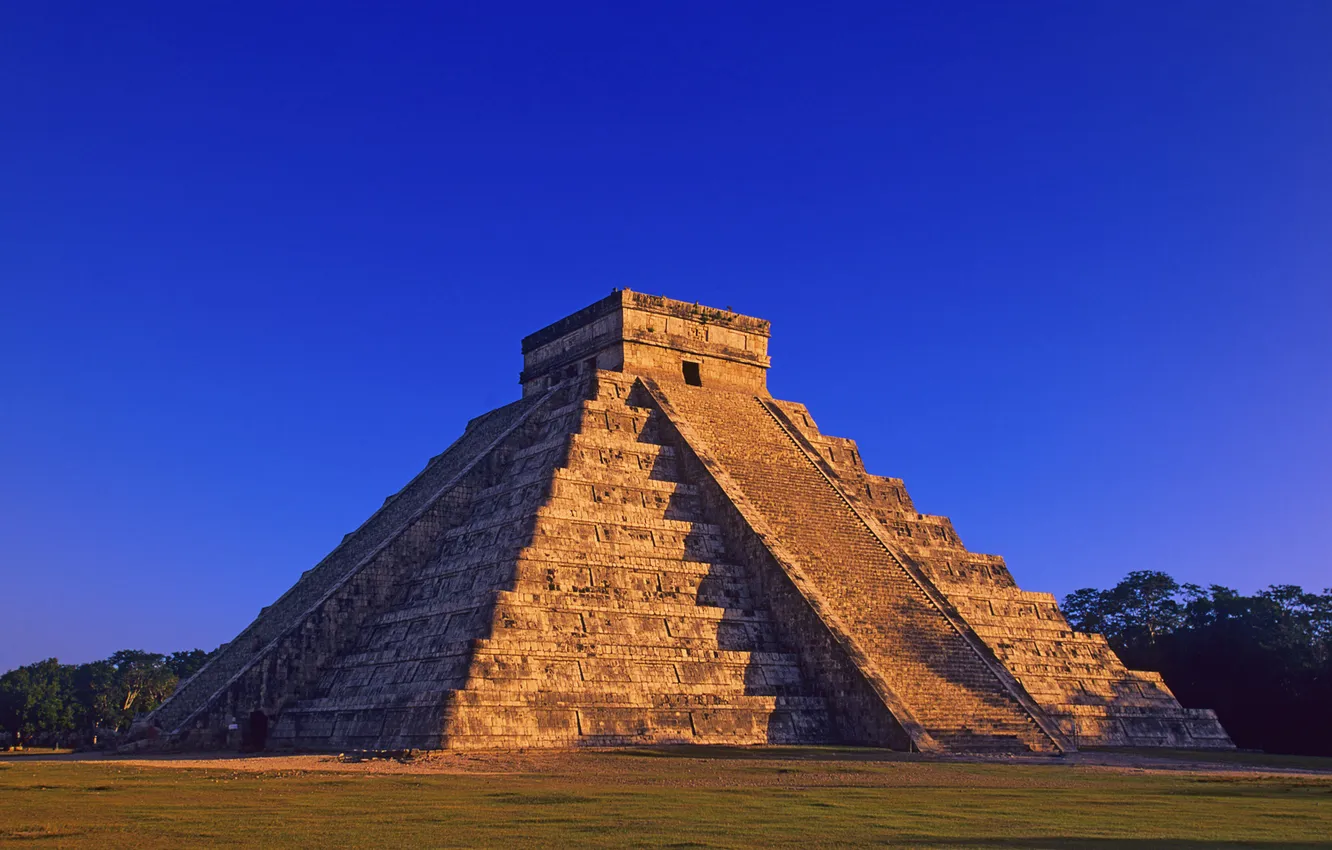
[(631, 576), (512, 482), (557, 605), (547, 528), (573, 650), (452, 560), (654, 644), (489, 727), (599, 476), (1066, 670), (629, 676), (594, 524), (631, 629), (712, 594), (629, 561), (582, 698), (569, 544), (1054, 647), (619, 441), (997, 595), (1130, 711), (492, 682), (608, 503), (661, 604), (406, 652), (599, 417), (436, 609), (503, 518), (601, 514), (557, 443), (543, 650), (1013, 631), (1099, 684), (655, 461), (733, 632), (653, 737), (612, 387), (710, 700), (447, 579)]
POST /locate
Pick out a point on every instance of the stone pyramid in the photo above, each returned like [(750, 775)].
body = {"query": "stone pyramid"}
[(649, 548)]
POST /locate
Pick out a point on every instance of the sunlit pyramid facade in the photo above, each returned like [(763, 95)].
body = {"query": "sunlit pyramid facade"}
[(649, 548)]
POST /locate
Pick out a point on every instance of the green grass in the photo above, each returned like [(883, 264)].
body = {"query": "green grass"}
[(656, 799), (1226, 757)]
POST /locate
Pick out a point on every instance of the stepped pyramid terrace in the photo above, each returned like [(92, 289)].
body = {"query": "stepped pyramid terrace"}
[(649, 548)]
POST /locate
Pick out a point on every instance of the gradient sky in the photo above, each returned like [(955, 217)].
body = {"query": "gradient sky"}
[(1064, 267)]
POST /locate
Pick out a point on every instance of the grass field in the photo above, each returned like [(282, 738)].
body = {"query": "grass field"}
[(689, 798)]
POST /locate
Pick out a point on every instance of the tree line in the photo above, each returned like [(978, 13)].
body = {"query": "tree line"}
[(55, 705), (1262, 662)]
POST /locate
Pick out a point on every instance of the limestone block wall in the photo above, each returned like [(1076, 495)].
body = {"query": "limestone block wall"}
[(286, 669), (660, 335), (386, 686), (1077, 676), (649, 335), (382, 527), (559, 352), (666, 363)]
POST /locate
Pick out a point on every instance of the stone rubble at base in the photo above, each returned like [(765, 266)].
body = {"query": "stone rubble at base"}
[(649, 548)]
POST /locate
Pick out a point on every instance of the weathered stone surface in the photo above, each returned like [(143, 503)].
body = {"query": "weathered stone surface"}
[(649, 548)]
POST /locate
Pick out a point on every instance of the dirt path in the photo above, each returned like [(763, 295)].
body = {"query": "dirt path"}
[(718, 767)]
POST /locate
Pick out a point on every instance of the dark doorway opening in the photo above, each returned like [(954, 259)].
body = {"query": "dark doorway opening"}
[(691, 374), (257, 729), (590, 365)]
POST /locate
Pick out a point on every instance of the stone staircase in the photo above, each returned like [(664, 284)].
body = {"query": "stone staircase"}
[(624, 622), (929, 665), (1076, 678), (586, 602)]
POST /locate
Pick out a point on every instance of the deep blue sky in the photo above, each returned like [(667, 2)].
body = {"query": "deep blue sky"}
[(1065, 267)]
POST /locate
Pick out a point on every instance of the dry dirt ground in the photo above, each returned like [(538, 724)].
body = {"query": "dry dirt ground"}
[(717, 766)]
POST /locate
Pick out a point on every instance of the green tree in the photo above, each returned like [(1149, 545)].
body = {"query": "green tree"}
[(142, 681), (1263, 662), (50, 700), (1089, 610), (96, 691), (38, 701), (1147, 605), (186, 663)]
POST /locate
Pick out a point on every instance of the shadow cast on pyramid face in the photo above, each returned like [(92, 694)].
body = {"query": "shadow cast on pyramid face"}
[(578, 599), (647, 548)]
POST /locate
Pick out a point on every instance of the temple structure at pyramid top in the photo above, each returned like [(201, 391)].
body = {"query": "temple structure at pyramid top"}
[(652, 336), (649, 548)]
